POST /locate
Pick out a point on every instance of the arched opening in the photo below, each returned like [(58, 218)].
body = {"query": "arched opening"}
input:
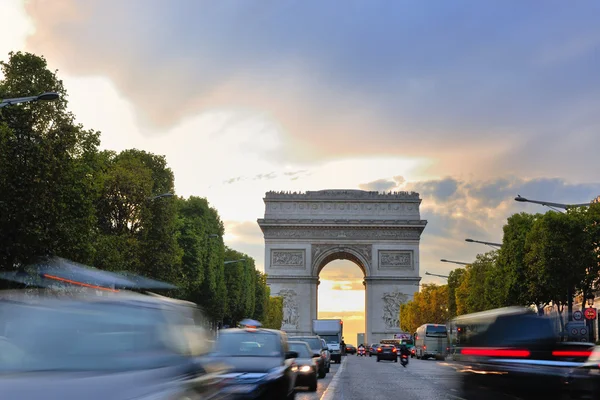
[(341, 293)]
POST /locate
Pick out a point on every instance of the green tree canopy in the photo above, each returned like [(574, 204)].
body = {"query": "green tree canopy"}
[(429, 306), (47, 170)]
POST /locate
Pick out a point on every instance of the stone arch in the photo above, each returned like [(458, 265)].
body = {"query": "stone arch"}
[(358, 254)]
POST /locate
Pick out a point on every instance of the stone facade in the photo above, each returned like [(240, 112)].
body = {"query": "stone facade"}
[(378, 232)]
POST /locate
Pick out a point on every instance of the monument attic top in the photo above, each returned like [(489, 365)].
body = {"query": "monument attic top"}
[(348, 194)]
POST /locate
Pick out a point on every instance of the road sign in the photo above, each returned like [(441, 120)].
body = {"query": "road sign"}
[(590, 313), (574, 331), (583, 331), (577, 315)]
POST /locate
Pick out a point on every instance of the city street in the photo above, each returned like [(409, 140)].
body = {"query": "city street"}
[(365, 378), (302, 394)]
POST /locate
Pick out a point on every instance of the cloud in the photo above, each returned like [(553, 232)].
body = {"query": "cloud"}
[(383, 185), (348, 285), (478, 89)]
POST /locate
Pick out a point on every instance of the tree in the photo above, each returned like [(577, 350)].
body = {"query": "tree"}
[(261, 296), (47, 170), (472, 293), (430, 305), (236, 287), (511, 283), (558, 256), (274, 317), (454, 280)]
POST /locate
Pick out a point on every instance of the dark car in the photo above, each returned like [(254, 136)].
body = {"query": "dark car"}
[(350, 349), (515, 352), (372, 349), (262, 366), (316, 345), (307, 365), (119, 346), (583, 381), (387, 352)]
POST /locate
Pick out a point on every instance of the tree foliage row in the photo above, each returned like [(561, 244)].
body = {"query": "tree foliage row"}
[(61, 195), (545, 259)]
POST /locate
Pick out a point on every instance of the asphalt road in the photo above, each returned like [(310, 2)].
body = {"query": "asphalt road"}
[(364, 378), (302, 394)]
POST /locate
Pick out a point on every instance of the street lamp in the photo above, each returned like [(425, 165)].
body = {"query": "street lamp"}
[(551, 205), (491, 244), (47, 96), (439, 276), (234, 261), (454, 262), (160, 196)]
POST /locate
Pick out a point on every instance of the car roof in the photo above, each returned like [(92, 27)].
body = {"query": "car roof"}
[(251, 330)]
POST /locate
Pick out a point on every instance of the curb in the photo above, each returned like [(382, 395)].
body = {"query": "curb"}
[(330, 392)]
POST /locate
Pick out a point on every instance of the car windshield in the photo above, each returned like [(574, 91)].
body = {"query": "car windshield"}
[(314, 343), (436, 331), (301, 348), (331, 339), (248, 344), (83, 336), (407, 342)]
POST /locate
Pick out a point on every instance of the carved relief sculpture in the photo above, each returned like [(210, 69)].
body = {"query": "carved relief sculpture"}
[(287, 258), (395, 259), (290, 309), (391, 308)]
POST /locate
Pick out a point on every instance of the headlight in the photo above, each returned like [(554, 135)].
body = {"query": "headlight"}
[(305, 368)]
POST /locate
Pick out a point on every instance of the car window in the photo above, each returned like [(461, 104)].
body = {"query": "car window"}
[(301, 348), (248, 344), (314, 343)]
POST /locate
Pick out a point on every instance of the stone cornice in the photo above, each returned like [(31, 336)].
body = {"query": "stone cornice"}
[(336, 195), (320, 222), (285, 278), (395, 279)]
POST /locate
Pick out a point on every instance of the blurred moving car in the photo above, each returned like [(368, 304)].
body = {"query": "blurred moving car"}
[(119, 345), (513, 351), (387, 352), (262, 365), (583, 381), (372, 349), (315, 344), (307, 365), (326, 355), (350, 349)]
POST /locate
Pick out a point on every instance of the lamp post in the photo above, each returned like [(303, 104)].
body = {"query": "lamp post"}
[(454, 262), (47, 96), (439, 276), (491, 244), (554, 206), (160, 196)]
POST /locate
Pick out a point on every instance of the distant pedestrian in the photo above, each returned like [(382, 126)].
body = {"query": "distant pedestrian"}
[(343, 347)]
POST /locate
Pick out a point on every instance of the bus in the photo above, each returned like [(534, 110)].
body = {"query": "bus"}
[(431, 341)]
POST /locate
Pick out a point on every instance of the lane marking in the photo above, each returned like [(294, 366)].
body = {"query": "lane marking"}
[(329, 393)]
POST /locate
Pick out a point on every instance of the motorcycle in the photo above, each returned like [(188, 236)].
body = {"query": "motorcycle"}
[(362, 352), (404, 360)]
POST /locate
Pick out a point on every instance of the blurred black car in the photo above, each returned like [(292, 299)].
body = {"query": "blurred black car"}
[(307, 365), (583, 382), (262, 365), (316, 345), (350, 349), (387, 352), (513, 351), (118, 345)]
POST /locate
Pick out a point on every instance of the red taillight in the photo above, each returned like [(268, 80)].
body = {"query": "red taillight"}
[(379, 350), (495, 352), (424, 347), (394, 350), (571, 353)]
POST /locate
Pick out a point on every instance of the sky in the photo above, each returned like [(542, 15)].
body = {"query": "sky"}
[(467, 102)]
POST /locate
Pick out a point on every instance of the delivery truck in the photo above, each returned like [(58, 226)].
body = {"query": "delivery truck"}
[(331, 330)]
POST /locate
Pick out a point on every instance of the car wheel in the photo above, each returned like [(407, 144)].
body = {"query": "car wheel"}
[(395, 359), (322, 373), (378, 359), (292, 395), (327, 369), (313, 385)]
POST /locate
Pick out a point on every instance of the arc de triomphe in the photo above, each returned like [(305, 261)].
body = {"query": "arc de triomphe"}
[(378, 232)]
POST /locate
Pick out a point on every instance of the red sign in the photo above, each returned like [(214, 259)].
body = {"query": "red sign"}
[(590, 313)]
